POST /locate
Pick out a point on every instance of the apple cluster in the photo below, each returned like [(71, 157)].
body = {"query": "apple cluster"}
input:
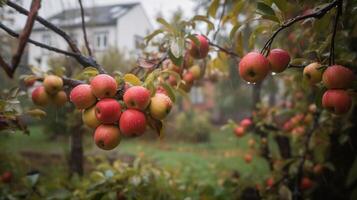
[(243, 126), (51, 92), (110, 118), (296, 124), (254, 66), (337, 79)]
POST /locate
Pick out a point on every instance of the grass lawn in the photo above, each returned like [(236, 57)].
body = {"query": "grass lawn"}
[(199, 162)]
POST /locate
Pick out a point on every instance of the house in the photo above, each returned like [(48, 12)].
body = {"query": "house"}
[(121, 26)]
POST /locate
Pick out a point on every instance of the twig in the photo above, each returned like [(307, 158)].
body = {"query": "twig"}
[(220, 20), (25, 34), (227, 51), (317, 14), (332, 45), (84, 29)]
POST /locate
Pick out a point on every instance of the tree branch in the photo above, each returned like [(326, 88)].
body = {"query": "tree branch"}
[(84, 29), (317, 14), (220, 19), (332, 47), (227, 51)]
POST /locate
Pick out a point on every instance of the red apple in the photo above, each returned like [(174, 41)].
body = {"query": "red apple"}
[(200, 51), (246, 123), (108, 111), (104, 86), (338, 77), (137, 97), (279, 60), (188, 78), (6, 177), (239, 131), (337, 101), (248, 158), (172, 81), (306, 183), (107, 137), (40, 96), (132, 123), (160, 106), (253, 67), (82, 97), (270, 182)]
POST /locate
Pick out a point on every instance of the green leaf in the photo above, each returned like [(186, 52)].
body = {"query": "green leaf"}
[(152, 35), (212, 10), (281, 4), (251, 41), (170, 91), (204, 19), (177, 46), (165, 24), (264, 9), (234, 30), (33, 178), (132, 79), (352, 174), (176, 61), (37, 113)]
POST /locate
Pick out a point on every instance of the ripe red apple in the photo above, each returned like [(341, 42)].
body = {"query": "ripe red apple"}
[(188, 78), (338, 77), (172, 80), (160, 106), (59, 99), (239, 131), (313, 73), (270, 182), (337, 101), (253, 67), (52, 84), (137, 97), (246, 123), (40, 96), (107, 137), (104, 86), (82, 97), (89, 118), (248, 158), (6, 177), (306, 183), (279, 60), (200, 51), (108, 111), (132, 123)]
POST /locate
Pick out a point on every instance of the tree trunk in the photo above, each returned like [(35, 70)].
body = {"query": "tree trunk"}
[(256, 95), (76, 154)]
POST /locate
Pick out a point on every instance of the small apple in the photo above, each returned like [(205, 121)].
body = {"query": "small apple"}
[(338, 77), (108, 111), (318, 169), (59, 99), (172, 80), (196, 71), (306, 183), (132, 123), (253, 67), (279, 60), (89, 118), (239, 131), (200, 51), (104, 86), (313, 73), (107, 137), (40, 96), (246, 123), (270, 182), (248, 158), (188, 78), (251, 143), (52, 84), (160, 106), (82, 97), (174, 67), (6, 177), (137, 97), (337, 101)]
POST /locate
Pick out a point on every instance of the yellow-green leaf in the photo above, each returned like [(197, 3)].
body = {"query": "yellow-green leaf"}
[(132, 79), (36, 113)]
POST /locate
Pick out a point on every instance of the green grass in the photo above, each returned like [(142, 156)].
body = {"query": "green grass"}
[(200, 162)]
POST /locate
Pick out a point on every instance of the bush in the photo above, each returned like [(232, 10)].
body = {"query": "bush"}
[(193, 126)]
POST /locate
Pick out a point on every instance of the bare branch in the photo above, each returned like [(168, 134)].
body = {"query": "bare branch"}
[(25, 34), (332, 47), (6, 67), (220, 19), (84, 29), (227, 51)]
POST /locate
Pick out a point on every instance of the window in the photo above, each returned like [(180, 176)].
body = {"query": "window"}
[(101, 40), (139, 42), (46, 39), (197, 95)]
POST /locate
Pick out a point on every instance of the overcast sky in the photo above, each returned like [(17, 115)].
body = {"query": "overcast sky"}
[(152, 7)]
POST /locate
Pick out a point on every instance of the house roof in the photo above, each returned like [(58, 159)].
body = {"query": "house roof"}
[(94, 16)]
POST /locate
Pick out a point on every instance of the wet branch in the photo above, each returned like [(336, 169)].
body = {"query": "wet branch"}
[(84, 29)]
